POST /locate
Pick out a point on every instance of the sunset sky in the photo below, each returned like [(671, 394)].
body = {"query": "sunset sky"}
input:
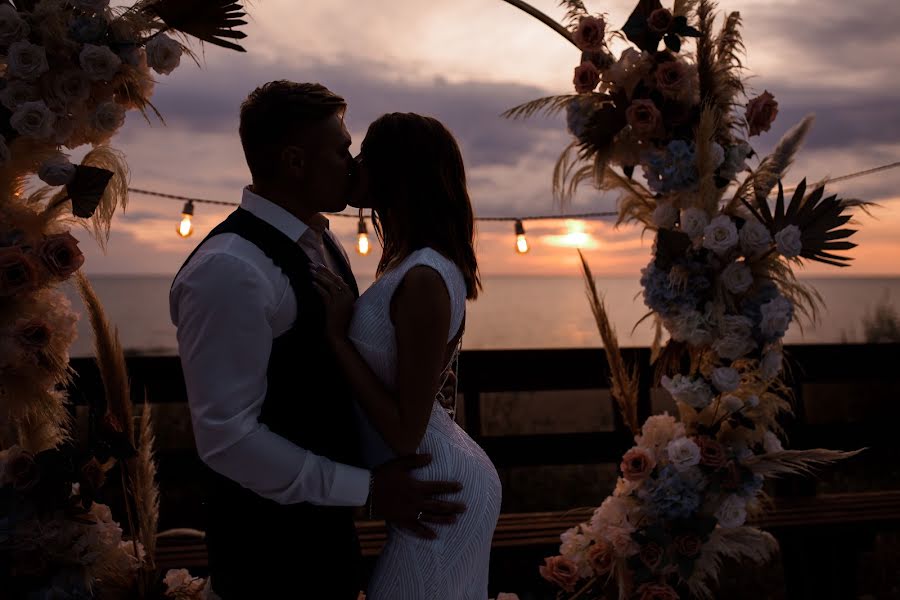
[(465, 62)]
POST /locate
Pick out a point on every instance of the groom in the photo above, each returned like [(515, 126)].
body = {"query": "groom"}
[(272, 413)]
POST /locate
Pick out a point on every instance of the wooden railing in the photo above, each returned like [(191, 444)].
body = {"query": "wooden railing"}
[(799, 519)]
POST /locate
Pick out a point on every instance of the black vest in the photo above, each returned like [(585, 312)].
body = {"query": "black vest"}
[(257, 542)]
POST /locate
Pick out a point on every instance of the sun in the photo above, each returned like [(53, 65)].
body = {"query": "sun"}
[(576, 236)]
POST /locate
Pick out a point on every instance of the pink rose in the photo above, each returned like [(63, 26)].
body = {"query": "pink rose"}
[(18, 271), (21, 470), (660, 20), (589, 34), (712, 453), (637, 464), (586, 77), (644, 118), (761, 113), (657, 591), (651, 555), (60, 254), (688, 545), (600, 556), (33, 335), (560, 571), (672, 77)]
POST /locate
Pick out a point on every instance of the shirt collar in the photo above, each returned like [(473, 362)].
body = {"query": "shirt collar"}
[(279, 218)]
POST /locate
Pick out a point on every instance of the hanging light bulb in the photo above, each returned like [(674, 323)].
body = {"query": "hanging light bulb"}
[(521, 242), (362, 244), (186, 228)]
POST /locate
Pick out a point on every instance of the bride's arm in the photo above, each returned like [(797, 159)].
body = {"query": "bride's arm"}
[(420, 312)]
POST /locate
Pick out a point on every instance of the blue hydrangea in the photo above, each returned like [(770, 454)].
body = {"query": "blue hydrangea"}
[(672, 169), (751, 487), (751, 307), (673, 495), (578, 114), (667, 300)]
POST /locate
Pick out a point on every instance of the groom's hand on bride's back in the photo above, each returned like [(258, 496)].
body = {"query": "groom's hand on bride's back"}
[(412, 504)]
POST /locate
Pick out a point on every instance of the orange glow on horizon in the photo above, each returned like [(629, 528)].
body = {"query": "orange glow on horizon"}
[(577, 236)]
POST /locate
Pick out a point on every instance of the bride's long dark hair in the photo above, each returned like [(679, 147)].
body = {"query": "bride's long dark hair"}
[(417, 182)]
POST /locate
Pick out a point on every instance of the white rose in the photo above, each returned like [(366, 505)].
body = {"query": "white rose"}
[(693, 221), (683, 453), (776, 317), (732, 403), (16, 93), (574, 547), (658, 431), (12, 27), (788, 241), (33, 119), (71, 87), (26, 60), (732, 512), (726, 379), (57, 171), (108, 118), (665, 215), (771, 363), (694, 393), (736, 339), (737, 278), (99, 62), (753, 401), (720, 235), (164, 54), (94, 6), (755, 238), (771, 443)]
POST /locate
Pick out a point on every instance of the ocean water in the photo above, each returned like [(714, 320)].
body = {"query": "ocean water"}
[(513, 312)]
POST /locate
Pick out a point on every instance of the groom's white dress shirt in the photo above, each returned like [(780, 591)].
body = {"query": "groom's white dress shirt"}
[(228, 304)]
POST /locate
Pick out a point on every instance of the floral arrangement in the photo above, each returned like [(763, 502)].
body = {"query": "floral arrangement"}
[(720, 282), (69, 73)]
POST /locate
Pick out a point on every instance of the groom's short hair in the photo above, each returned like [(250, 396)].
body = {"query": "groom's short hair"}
[(274, 111)]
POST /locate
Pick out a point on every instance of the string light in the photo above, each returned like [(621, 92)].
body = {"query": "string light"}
[(521, 242), (576, 237), (362, 243), (186, 228)]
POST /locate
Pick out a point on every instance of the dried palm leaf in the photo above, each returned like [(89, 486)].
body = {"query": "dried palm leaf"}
[(624, 387), (683, 8), (741, 543), (207, 20), (575, 9), (115, 193), (549, 105), (801, 462)]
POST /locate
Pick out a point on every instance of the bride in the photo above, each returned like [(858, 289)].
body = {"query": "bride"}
[(398, 343)]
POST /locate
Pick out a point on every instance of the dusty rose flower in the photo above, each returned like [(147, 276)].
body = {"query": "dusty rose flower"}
[(18, 271), (586, 77), (637, 464), (688, 545), (180, 584), (644, 118), (600, 556), (60, 254), (33, 335), (589, 34), (560, 571), (761, 113), (21, 470), (651, 555), (657, 591), (712, 453), (660, 20), (673, 78)]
